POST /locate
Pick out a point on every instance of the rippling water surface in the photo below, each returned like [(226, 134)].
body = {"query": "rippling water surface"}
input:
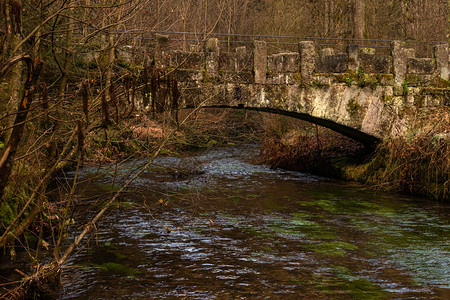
[(216, 226)]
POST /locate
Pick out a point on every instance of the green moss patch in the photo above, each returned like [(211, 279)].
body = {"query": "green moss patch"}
[(332, 248)]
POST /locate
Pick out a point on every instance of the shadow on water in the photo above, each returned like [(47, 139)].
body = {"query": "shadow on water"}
[(214, 225)]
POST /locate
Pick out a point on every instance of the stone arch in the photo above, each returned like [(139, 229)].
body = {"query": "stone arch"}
[(370, 142)]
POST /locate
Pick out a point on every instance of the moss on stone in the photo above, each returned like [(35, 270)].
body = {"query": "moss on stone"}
[(353, 107)]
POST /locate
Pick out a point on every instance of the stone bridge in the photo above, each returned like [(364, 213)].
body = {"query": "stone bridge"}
[(362, 94)]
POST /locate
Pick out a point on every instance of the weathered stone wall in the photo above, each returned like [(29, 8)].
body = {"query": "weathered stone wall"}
[(374, 94)]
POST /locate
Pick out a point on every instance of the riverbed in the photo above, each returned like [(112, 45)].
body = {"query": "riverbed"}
[(216, 225)]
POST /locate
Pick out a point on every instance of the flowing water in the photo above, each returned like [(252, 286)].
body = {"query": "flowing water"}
[(216, 226)]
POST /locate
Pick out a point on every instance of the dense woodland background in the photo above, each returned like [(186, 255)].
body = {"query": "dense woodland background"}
[(370, 19), (60, 81)]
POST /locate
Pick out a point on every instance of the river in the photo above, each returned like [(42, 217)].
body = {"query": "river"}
[(215, 225)]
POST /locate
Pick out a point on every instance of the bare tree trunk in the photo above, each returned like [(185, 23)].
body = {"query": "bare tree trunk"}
[(326, 19), (7, 159), (14, 77), (359, 19), (67, 57), (447, 15), (109, 63)]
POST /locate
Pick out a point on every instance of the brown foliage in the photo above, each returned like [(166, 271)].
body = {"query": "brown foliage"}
[(304, 147), (419, 165)]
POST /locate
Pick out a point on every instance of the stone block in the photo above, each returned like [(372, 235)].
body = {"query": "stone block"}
[(353, 58), (410, 52), (187, 60), (195, 48), (161, 42), (237, 77), (372, 63), (185, 75), (399, 65), (212, 45), (243, 60), (419, 80), (368, 51), (326, 52), (123, 53), (283, 62), (212, 58), (385, 79), (440, 55), (307, 60), (227, 61), (277, 78), (242, 50), (331, 63), (191, 95), (260, 61), (420, 66)]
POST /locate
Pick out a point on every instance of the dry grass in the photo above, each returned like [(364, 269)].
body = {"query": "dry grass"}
[(297, 145), (418, 165)]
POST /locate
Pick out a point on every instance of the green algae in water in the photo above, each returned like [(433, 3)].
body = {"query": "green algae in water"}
[(270, 205), (251, 196), (413, 240), (107, 244), (327, 205), (111, 267), (298, 281), (362, 289), (345, 282), (235, 199), (312, 229), (123, 204), (338, 205), (299, 226), (285, 227), (257, 232), (109, 248), (119, 269), (338, 249), (230, 219), (268, 249)]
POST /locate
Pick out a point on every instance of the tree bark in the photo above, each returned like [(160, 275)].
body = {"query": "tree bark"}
[(7, 159), (67, 57), (109, 63), (359, 13), (14, 76)]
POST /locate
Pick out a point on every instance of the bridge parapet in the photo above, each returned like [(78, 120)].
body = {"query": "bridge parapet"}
[(308, 64), (355, 91)]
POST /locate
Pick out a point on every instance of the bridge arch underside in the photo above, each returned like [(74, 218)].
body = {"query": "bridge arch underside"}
[(367, 140)]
